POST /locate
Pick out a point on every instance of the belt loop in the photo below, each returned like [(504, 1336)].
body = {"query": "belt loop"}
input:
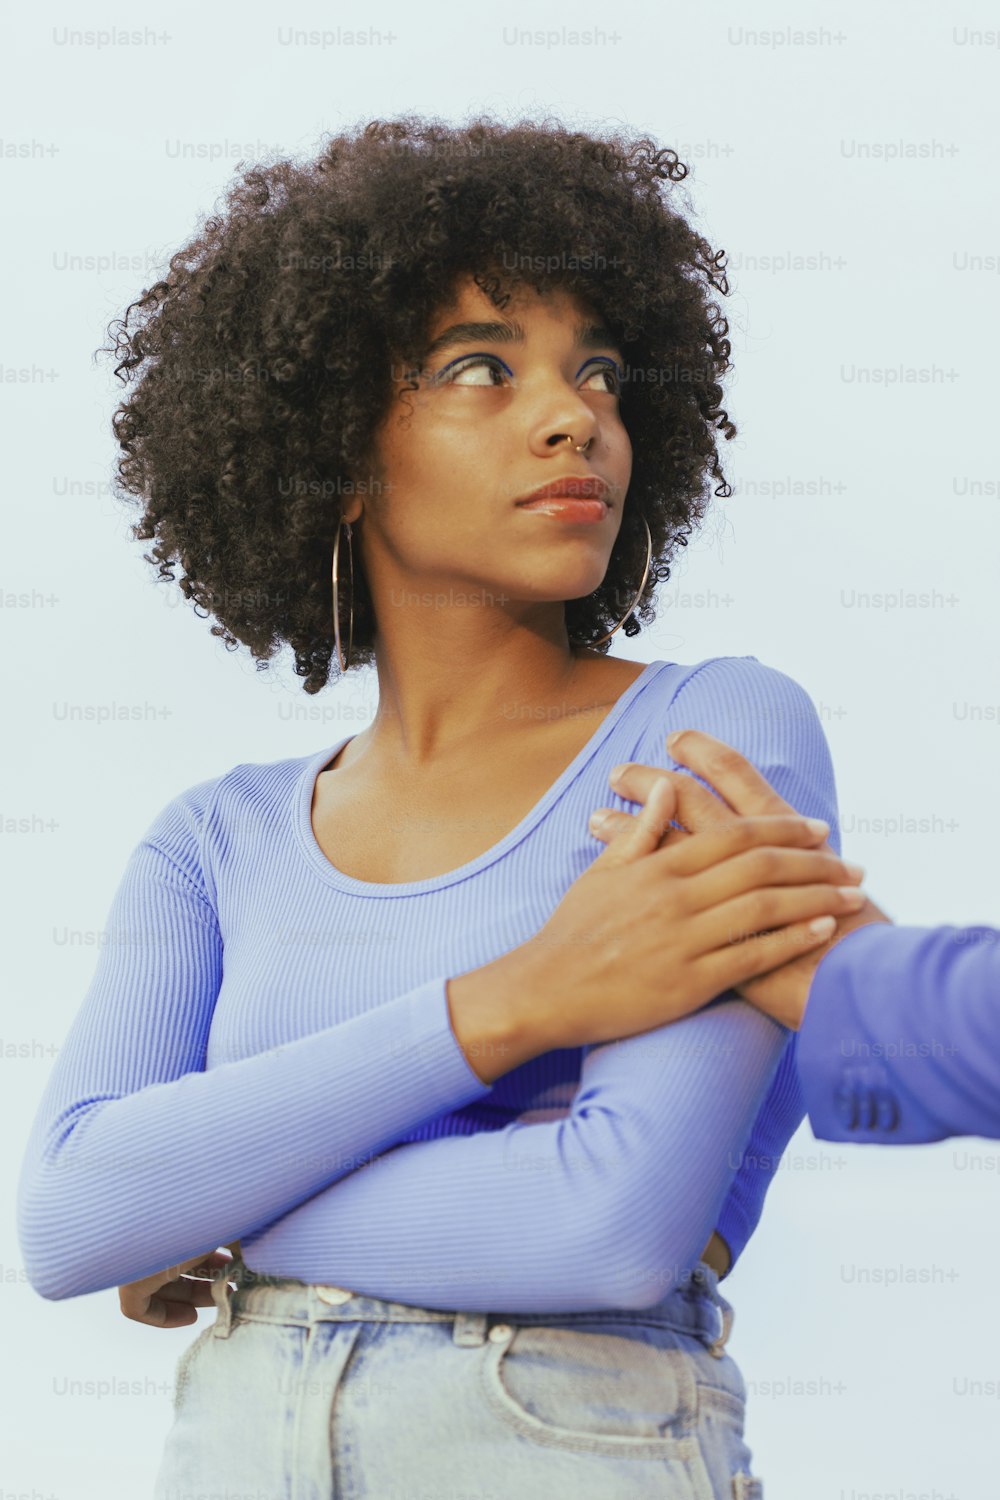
[(707, 1278), (469, 1328), (718, 1346), (222, 1296)]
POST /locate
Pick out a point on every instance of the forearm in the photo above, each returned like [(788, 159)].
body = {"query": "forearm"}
[(229, 1148), (500, 1016), (900, 1041), (608, 1207)]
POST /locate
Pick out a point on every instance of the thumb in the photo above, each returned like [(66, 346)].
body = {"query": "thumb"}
[(641, 834)]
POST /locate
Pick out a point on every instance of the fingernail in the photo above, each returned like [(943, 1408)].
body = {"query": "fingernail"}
[(817, 825), (673, 738), (822, 925), (598, 819), (852, 895), (856, 872), (616, 773)]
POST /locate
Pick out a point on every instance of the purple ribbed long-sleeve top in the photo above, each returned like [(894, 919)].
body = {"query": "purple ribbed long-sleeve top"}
[(266, 1054)]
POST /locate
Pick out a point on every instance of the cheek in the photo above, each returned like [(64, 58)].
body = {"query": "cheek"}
[(620, 447), (438, 478), (414, 454)]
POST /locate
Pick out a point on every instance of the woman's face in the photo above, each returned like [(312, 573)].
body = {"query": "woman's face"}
[(487, 426)]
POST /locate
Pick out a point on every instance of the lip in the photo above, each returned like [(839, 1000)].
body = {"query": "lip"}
[(569, 508), (570, 487)]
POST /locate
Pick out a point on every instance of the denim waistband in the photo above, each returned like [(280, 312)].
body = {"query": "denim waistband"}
[(694, 1306)]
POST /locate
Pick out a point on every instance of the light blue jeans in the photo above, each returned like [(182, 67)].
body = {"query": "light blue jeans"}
[(308, 1392)]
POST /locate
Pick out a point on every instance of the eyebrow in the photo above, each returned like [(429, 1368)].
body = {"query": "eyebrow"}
[(588, 336)]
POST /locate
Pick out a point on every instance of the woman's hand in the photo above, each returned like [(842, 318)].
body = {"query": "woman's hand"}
[(648, 934), (782, 992), (170, 1299)]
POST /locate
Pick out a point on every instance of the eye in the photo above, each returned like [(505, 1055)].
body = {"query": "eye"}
[(487, 364), (608, 371), (483, 367)]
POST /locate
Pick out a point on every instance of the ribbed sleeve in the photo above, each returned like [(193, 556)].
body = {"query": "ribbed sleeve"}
[(138, 1159), (266, 1055), (669, 1134), (607, 1208)]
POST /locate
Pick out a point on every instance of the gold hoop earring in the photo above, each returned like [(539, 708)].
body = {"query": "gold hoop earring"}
[(336, 595), (645, 575)]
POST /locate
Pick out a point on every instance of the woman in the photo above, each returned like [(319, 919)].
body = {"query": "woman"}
[(363, 1034)]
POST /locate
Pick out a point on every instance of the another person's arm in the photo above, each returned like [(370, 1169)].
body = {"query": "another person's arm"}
[(900, 1040), (899, 1027)]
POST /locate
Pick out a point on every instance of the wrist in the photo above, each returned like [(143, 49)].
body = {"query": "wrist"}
[(495, 1016), (782, 993)]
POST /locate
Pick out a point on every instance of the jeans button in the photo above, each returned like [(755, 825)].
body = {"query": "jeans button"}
[(499, 1332), (334, 1295)]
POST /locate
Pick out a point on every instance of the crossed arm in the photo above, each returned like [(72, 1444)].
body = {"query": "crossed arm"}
[(467, 1209)]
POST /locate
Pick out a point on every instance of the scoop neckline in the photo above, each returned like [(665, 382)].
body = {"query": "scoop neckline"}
[(329, 872)]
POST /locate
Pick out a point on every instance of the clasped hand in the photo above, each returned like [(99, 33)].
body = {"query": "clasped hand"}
[(690, 812)]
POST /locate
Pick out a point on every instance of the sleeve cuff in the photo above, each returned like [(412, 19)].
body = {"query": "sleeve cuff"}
[(440, 1068)]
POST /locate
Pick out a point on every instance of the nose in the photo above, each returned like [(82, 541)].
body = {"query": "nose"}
[(572, 423)]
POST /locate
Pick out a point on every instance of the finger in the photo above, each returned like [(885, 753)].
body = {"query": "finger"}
[(165, 1308), (161, 1314), (705, 850), (208, 1264), (607, 823), (862, 918), (642, 835), (699, 809), (735, 963), (197, 1293), (762, 868), (761, 912), (729, 772), (760, 864)]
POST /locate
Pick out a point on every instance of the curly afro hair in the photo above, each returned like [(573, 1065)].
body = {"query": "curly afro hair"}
[(264, 359)]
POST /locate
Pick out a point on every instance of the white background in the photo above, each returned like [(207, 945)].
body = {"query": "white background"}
[(856, 1389)]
